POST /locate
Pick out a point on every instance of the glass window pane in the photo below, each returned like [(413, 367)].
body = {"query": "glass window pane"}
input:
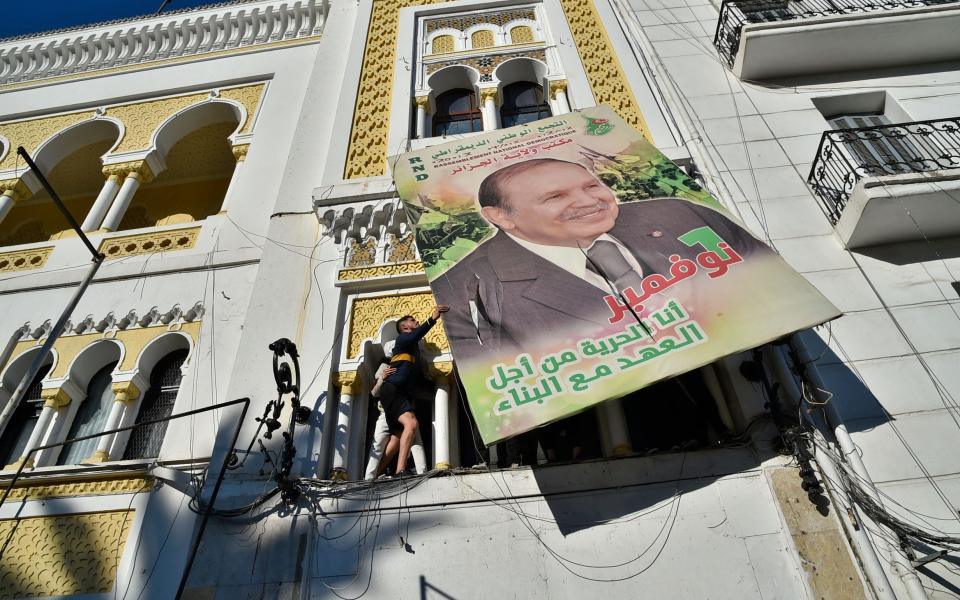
[(90, 418), (13, 443), (157, 404)]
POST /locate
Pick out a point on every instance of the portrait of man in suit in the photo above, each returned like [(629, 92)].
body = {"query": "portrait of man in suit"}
[(563, 244)]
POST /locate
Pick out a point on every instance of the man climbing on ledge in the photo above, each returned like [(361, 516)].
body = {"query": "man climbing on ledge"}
[(396, 393)]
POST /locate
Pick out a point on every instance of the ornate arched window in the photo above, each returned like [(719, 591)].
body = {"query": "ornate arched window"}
[(91, 418), (523, 102), (457, 112), (157, 403), (24, 419)]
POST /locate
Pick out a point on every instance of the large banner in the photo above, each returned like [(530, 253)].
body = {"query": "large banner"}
[(580, 264)]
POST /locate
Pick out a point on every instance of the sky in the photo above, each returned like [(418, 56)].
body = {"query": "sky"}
[(21, 18)]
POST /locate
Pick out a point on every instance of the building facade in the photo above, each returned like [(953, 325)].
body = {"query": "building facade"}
[(232, 164)]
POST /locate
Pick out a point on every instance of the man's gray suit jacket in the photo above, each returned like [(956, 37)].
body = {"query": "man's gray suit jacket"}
[(519, 297)]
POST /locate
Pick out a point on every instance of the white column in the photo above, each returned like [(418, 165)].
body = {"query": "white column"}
[(441, 422), (54, 399), (6, 204), (491, 120), (558, 89), (454, 417), (100, 206), (421, 126), (124, 392), (240, 154), (137, 174), (349, 387), (615, 429)]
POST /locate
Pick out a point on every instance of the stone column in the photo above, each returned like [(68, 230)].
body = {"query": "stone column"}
[(441, 415), (615, 427), (422, 103), (240, 154), (54, 399), (488, 103), (102, 204), (349, 385), (134, 175), (11, 192), (558, 91), (124, 393)]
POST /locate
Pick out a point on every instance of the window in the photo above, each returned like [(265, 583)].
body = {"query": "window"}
[(91, 417), (876, 151), (457, 112), (157, 404), (24, 419), (523, 102), (442, 44)]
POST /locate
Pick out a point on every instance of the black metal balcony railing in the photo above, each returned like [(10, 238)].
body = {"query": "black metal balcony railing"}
[(734, 14), (846, 156)]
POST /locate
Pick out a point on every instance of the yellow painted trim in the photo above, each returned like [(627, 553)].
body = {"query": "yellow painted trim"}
[(55, 397), (388, 270), (369, 314), (444, 56), (24, 260), (151, 242), (442, 466), (68, 487)]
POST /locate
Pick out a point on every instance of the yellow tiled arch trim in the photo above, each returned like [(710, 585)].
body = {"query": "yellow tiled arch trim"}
[(366, 156)]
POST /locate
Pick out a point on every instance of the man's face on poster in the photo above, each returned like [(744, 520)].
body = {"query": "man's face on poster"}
[(556, 204)]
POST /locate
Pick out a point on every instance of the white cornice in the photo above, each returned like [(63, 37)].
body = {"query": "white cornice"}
[(186, 34)]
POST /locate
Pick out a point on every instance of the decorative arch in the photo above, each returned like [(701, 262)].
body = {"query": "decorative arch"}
[(159, 348), (76, 136), (483, 36), (452, 77), (17, 368), (92, 358), (191, 118), (521, 68)]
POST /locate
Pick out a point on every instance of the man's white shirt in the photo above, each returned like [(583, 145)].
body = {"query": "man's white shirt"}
[(574, 261)]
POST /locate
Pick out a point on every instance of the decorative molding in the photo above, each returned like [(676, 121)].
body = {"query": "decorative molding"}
[(240, 152), (24, 260), (30, 133), (368, 315), (133, 339), (486, 18), (362, 254), (559, 85), (366, 155), (389, 270), (487, 63), (15, 189), (441, 369), (125, 391), (35, 490), (149, 243), (348, 382), (62, 555), (55, 397), (137, 169), (402, 249), (488, 94), (194, 35), (423, 101)]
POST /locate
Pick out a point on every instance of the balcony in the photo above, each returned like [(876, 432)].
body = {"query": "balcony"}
[(766, 39), (890, 183)]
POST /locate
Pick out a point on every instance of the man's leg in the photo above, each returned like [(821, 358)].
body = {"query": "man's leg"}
[(409, 422), (381, 435)]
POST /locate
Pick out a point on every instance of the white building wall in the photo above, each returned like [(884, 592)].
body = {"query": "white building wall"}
[(890, 361)]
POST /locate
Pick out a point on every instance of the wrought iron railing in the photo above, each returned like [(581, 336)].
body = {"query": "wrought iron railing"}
[(845, 156), (734, 14)]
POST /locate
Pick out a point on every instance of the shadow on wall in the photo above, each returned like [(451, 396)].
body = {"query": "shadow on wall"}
[(914, 252)]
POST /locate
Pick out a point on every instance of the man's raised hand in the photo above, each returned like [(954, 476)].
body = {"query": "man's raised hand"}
[(438, 309)]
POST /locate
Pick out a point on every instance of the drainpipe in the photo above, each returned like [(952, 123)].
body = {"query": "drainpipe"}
[(901, 564)]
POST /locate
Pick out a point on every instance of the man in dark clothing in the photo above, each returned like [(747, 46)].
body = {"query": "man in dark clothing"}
[(396, 393)]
